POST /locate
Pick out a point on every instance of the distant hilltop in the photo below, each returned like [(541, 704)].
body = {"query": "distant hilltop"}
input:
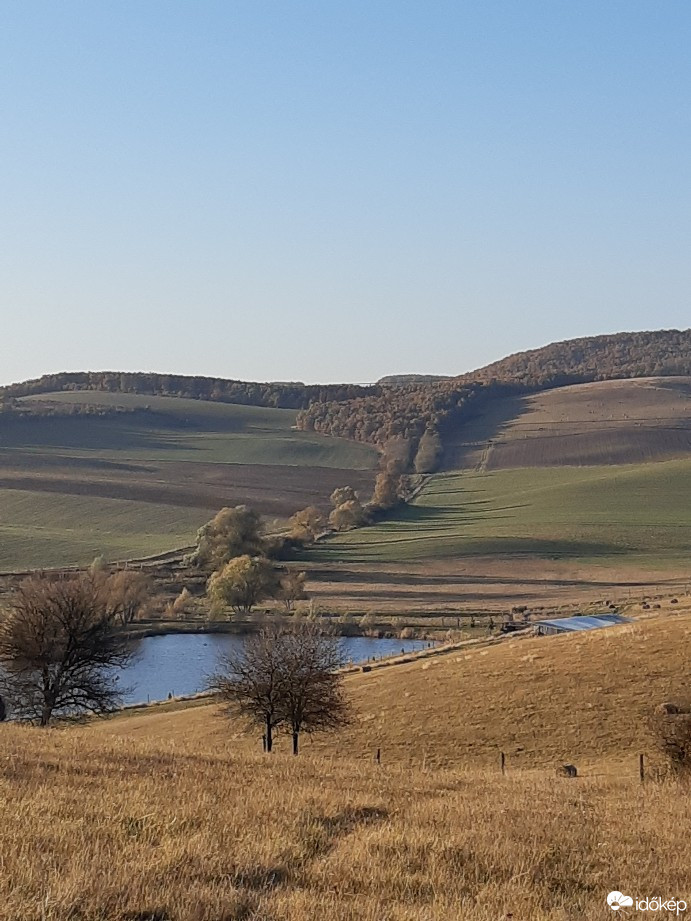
[(412, 378)]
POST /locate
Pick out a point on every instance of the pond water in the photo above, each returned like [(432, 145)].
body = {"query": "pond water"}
[(180, 663)]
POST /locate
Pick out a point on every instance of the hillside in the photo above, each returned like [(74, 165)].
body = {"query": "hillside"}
[(142, 481), (585, 698), (593, 514), (174, 815), (649, 353), (608, 422)]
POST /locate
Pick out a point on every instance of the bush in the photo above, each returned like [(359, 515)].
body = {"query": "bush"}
[(672, 733)]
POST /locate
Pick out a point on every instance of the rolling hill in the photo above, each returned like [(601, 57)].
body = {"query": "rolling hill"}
[(561, 497), (607, 422), (583, 697), (173, 814), (142, 481)]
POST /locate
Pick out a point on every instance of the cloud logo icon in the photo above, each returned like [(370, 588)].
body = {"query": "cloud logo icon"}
[(617, 900)]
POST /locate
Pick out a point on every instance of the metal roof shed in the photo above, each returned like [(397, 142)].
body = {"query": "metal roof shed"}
[(585, 622)]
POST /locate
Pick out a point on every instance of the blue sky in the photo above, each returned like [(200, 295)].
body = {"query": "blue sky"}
[(328, 191)]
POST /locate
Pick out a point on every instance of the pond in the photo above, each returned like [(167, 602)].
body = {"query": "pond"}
[(180, 663)]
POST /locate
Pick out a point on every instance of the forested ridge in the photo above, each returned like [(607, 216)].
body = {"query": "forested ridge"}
[(289, 395), (402, 410), (406, 409)]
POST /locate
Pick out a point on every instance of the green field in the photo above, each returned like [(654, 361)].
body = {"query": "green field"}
[(141, 482), (588, 513), (43, 530), (174, 429)]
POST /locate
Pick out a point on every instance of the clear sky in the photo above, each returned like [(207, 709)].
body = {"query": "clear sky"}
[(337, 189)]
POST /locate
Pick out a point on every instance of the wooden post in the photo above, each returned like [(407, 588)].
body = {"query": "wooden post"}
[(378, 756), (641, 767), (503, 763)]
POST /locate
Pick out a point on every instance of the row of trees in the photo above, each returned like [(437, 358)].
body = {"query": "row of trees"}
[(289, 395), (30, 409)]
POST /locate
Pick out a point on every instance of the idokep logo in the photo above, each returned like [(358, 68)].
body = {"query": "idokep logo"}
[(618, 901)]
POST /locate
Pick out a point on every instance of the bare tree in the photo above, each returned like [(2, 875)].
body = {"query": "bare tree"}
[(313, 699), (250, 680), (292, 588), (286, 677), (59, 648)]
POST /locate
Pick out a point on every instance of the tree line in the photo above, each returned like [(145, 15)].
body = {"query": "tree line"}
[(413, 410), (282, 395)]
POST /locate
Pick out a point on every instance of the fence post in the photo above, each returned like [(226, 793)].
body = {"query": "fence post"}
[(641, 767), (503, 763)]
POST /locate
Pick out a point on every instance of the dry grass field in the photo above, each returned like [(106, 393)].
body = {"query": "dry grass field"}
[(173, 815), (582, 698), (442, 590), (608, 422)]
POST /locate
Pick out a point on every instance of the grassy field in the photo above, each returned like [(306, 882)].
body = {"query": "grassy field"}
[(592, 514), (173, 815), (174, 429), (608, 422), (580, 698), (141, 482)]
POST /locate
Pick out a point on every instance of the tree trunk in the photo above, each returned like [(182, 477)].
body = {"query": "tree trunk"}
[(46, 713), (269, 738), (295, 743)]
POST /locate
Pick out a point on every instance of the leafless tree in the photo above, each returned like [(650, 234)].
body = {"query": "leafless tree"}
[(59, 649), (250, 680), (128, 593), (292, 588), (286, 677), (313, 699)]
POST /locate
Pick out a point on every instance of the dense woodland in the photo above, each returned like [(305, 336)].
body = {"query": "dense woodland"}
[(411, 409), (292, 395)]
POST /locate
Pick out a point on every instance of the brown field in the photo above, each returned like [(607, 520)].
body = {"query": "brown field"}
[(608, 422), (273, 490), (421, 592), (167, 815)]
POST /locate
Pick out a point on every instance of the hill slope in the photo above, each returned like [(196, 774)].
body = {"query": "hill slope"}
[(141, 481), (607, 422), (594, 514), (585, 698)]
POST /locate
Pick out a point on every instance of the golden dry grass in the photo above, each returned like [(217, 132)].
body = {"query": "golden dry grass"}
[(172, 814), (114, 829), (583, 698)]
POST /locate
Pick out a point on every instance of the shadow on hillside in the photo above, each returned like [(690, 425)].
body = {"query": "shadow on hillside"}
[(465, 442)]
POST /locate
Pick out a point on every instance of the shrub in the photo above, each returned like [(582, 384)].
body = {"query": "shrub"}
[(671, 727)]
